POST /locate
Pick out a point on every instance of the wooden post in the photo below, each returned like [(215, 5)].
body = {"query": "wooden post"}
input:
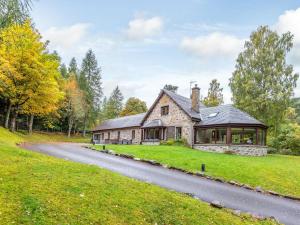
[(257, 136), (228, 135)]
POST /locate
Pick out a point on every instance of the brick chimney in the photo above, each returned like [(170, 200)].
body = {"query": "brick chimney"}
[(196, 98)]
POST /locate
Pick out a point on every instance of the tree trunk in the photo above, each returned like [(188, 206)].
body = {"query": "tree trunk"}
[(70, 123), (7, 115), (30, 124), (13, 122), (84, 125)]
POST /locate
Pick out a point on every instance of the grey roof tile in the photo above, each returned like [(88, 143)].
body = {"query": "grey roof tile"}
[(185, 104), (122, 122), (226, 114)]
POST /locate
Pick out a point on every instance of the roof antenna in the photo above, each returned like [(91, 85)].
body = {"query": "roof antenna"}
[(191, 83)]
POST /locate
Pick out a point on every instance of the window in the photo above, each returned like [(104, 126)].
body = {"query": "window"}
[(178, 133), (152, 133), (119, 134), (261, 137), (249, 136), (246, 136), (237, 135), (211, 136), (102, 136), (213, 115), (133, 134), (108, 135), (164, 110)]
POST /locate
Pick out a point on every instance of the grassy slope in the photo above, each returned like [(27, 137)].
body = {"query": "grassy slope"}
[(273, 172), (18, 137), (38, 189)]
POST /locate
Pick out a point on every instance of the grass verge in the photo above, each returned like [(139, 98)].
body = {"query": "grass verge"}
[(278, 173)]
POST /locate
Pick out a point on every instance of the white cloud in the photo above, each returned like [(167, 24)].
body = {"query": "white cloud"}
[(213, 45), (289, 21), (149, 83), (141, 28), (66, 37)]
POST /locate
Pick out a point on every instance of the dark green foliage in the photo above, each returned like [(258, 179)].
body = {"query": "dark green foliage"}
[(114, 104), (171, 87), (63, 71), (73, 68), (288, 140), (92, 74), (296, 105)]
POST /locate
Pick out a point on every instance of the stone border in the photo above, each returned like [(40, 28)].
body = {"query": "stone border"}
[(199, 174)]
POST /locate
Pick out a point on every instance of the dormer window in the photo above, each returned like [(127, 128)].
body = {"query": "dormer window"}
[(164, 110)]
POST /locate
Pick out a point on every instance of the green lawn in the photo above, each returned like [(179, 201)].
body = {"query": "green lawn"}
[(274, 172), (38, 189)]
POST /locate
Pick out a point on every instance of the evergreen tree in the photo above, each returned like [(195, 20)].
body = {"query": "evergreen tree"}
[(90, 83), (214, 95), (63, 71), (92, 75), (14, 11), (171, 87), (73, 68), (114, 104), (263, 83)]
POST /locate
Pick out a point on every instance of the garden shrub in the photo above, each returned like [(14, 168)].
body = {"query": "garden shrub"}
[(288, 139), (171, 141)]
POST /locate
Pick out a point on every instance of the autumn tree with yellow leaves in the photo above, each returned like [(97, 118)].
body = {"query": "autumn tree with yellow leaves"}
[(74, 102), (28, 73)]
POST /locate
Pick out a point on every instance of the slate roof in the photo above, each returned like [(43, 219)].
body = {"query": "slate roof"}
[(121, 122), (153, 123), (226, 114), (185, 104)]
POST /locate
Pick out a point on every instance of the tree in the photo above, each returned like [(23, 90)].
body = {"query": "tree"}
[(134, 106), (14, 11), (214, 95), (63, 71), (262, 83), (92, 73), (73, 102), (46, 97), (171, 87), (114, 104), (73, 68), (24, 66), (90, 83)]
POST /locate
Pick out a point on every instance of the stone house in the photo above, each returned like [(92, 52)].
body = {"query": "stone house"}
[(222, 128)]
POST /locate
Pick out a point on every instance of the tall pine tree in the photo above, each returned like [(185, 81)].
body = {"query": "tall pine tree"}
[(114, 104), (73, 68), (90, 83)]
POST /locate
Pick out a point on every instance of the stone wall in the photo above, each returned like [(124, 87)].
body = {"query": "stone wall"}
[(251, 150), (176, 117), (124, 134)]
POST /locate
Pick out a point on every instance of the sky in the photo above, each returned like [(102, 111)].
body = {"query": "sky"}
[(142, 45)]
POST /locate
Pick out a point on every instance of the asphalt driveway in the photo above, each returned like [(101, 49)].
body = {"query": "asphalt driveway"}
[(285, 210)]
